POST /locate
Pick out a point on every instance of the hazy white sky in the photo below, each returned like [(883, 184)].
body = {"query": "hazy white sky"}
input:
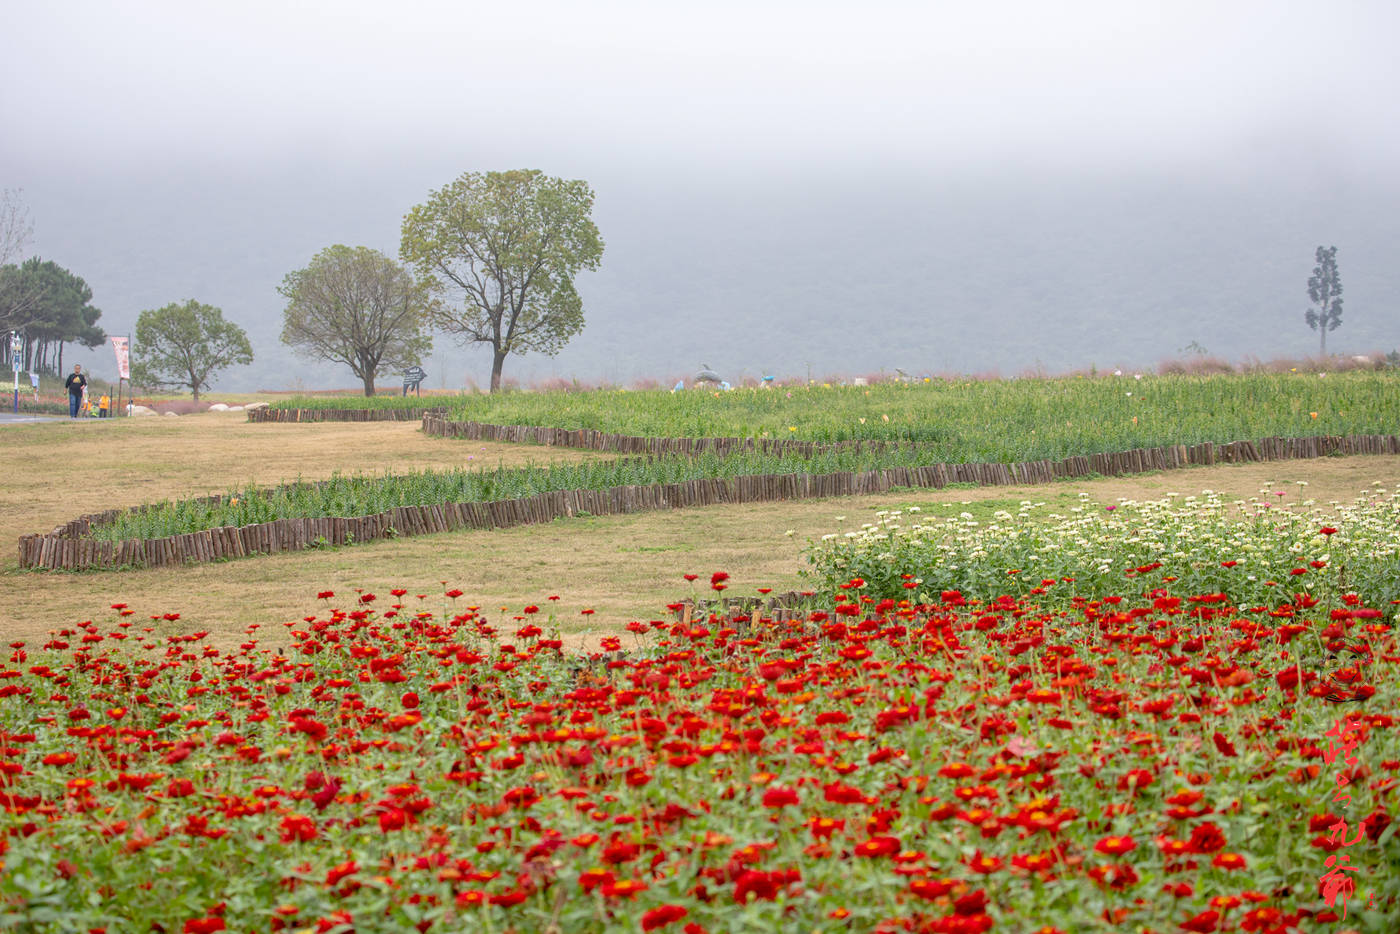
[(746, 83)]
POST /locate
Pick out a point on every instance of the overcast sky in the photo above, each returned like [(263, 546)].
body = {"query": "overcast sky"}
[(107, 106), (206, 84)]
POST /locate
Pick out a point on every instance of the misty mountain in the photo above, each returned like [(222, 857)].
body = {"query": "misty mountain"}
[(779, 273)]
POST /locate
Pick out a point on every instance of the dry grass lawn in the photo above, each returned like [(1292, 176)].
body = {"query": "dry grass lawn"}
[(623, 567)]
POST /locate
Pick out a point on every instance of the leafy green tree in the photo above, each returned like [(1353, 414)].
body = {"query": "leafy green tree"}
[(508, 244), (1325, 290), (51, 306), (356, 306), (184, 345)]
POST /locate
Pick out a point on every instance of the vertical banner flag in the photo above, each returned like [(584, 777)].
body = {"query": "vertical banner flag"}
[(123, 359)]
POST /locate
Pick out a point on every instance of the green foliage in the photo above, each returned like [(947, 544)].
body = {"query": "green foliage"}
[(48, 303), (356, 306), (365, 495), (508, 244), (185, 345), (968, 420)]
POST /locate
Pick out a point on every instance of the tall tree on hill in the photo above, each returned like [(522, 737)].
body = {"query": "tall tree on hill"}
[(185, 345), (356, 306), (1325, 290), (509, 245)]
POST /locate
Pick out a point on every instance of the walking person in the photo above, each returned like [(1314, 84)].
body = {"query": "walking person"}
[(77, 387), (104, 405)]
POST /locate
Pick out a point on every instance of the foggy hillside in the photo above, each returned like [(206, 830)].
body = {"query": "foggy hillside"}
[(944, 188), (845, 275)]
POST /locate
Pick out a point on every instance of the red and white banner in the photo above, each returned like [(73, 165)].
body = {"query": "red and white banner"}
[(123, 357)]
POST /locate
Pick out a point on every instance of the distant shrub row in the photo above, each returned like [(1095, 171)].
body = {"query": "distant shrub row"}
[(961, 421)]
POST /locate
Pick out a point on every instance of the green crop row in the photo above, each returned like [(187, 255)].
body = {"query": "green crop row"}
[(361, 495), (965, 421)]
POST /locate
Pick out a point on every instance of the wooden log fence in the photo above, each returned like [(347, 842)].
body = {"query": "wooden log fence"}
[(68, 547), (269, 414), (438, 425)]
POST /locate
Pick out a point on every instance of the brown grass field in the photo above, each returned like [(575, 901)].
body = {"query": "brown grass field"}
[(623, 567)]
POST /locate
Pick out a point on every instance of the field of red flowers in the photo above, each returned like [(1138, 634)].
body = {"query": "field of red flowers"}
[(1156, 762)]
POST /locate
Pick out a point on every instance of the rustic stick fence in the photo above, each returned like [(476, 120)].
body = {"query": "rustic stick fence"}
[(66, 548), (438, 425), (268, 414)]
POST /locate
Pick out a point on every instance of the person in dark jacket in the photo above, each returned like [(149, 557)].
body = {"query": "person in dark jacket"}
[(75, 385)]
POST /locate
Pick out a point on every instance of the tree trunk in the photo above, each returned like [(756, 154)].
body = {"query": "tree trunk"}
[(369, 383), (498, 359), (59, 371), (1322, 329)]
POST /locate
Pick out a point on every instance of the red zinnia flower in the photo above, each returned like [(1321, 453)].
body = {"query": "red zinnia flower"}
[(296, 827), (1206, 838), (973, 903), (930, 888), (878, 846), (1224, 745), (1118, 876), (592, 878), (1135, 780), (1228, 861), (780, 797), (1203, 923), (626, 888), (1116, 846), (983, 864), (342, 871), (660, 917)]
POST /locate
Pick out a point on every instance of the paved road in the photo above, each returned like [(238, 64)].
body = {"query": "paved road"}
[(10, 418)]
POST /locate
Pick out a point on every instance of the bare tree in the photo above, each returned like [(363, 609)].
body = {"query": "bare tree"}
[(19, 294), (15, 227)]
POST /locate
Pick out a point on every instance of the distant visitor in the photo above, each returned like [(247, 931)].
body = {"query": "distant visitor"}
[(76, 385)]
